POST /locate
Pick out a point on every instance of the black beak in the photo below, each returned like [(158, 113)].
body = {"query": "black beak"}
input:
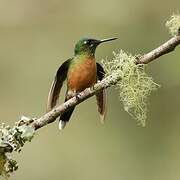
[(105, 40)]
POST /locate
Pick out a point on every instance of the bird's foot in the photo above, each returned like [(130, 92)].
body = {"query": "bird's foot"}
[(77, 95), (93, 87)]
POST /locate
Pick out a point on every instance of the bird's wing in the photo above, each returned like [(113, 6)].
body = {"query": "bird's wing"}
[(101, 96), (57, 84)]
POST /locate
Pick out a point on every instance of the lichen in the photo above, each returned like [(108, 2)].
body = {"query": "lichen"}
[(135, 85), (173, 24), (7, 166), (2, 165), (13, 139)]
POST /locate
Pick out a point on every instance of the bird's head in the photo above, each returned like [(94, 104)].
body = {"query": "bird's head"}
[(88, 45)]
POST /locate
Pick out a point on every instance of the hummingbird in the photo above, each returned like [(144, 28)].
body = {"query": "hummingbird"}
[(81, 72)]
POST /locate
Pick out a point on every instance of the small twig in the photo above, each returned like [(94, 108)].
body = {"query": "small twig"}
[(165, 48)]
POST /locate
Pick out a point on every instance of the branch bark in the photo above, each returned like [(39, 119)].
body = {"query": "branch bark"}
[(165, 48)]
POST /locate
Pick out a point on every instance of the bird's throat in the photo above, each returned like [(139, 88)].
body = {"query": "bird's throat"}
[(81, 59)]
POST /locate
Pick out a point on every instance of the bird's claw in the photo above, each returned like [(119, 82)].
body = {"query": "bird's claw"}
[(77, 96), (92, 87)]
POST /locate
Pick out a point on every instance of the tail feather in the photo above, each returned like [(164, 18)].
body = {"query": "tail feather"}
[(101, 98), (66, 115), (64, 118), (62, 124)]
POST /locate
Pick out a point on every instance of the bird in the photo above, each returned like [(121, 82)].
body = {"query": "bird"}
[(80, 72)]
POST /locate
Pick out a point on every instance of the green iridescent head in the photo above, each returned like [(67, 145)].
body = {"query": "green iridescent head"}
[(88, 45)]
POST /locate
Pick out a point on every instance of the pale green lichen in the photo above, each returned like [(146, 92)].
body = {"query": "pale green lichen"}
[(13, 139), (135, 85), (173, 24)]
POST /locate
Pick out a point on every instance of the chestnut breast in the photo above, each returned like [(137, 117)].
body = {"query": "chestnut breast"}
[(82, 74)]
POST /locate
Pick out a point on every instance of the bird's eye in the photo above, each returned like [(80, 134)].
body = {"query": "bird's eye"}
[(85, 42), (88, 42)]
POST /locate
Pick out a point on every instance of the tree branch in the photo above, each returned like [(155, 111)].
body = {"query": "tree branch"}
[(165, 48), (105, 83)]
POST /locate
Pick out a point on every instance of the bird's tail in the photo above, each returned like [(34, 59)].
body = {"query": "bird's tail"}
[(64, 118), (101, 98)]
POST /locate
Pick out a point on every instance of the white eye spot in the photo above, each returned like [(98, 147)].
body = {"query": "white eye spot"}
[(85, 42), (92, 45)]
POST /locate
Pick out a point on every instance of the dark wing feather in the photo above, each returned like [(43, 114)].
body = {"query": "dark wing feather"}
[(101, 96), (57, 85)]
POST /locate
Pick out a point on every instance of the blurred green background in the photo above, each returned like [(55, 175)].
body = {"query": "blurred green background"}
[(36, 36)]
